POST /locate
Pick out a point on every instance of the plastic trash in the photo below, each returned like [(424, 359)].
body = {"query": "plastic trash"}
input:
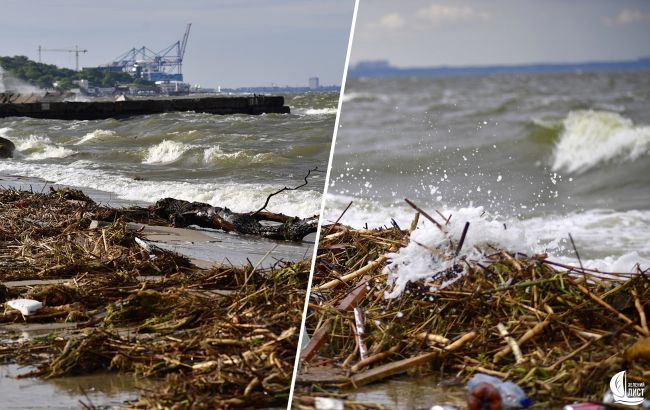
[(512, 396), (25, 306)]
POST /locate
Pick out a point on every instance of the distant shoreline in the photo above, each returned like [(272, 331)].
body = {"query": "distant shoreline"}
[(383, 68)]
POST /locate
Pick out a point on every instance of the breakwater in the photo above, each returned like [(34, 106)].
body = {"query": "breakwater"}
[(95, 110)]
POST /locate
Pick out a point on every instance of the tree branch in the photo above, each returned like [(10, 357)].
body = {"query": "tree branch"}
[(268, 198)]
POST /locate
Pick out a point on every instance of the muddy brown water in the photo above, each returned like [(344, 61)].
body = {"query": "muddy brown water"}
[(102, 390), (409, 393)]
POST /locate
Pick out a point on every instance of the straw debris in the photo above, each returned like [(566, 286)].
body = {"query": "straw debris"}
[(224, 337), (558, 331)]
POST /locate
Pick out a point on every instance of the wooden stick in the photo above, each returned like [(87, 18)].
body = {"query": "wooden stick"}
[(432, 338), (390, 369), (570, 355), (511, 342), (575, 249), (352, 299), (605, 305), (642, 317), (462, 238), (414, 222), (335, 282), (316, 342), (360, 332), (534, 331), (374, 358), (331, 228), (461, 341), (426, 215)]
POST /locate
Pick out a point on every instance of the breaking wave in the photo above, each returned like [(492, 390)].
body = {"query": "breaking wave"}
[(165, 152), (97, 134), (598, 234), (240, 197), (37, 148), (216, 155), (592, 138)]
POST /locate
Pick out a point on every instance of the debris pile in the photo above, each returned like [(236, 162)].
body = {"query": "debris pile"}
[(221, 337), (560, 332)]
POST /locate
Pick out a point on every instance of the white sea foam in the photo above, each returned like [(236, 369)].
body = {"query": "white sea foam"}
[(97, 134), (610, 241), (165, 152), (216, 155), (238, 197), (315, 111), (415, 261), (592, 138), (36, 147), (4, 131)]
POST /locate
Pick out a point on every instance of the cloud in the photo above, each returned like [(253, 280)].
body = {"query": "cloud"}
[(391, 21), (628, 16), (437, 14)]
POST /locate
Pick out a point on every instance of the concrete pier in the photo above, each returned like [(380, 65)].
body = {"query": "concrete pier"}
[(94, 110)]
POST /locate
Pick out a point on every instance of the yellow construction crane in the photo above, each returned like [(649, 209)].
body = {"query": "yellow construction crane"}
[(76, 50)]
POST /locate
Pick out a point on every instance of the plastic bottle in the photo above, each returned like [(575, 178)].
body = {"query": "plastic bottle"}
[(512, 396)]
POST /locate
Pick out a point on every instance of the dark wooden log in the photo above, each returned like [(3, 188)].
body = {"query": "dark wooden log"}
[(184, 213)]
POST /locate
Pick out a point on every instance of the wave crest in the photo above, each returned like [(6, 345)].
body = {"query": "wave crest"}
[(165, 152), (36, 147), (591, 138), (95, 134)]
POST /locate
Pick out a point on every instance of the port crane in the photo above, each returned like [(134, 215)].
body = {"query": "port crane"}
[(76, 50), (165, 64)]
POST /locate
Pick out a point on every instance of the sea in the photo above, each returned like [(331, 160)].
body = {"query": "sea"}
[(232, 161), (527, 159)]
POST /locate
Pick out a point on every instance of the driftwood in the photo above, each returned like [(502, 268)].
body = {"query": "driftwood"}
[(265, 224)]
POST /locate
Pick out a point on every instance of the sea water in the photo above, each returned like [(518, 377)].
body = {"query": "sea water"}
[(526, 159), (225, 160)]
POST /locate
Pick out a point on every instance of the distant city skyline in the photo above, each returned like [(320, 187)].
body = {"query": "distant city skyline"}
[(433, 33), (233, 43)]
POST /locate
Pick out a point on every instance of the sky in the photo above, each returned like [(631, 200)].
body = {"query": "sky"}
[(421, 33), (232, 43)]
